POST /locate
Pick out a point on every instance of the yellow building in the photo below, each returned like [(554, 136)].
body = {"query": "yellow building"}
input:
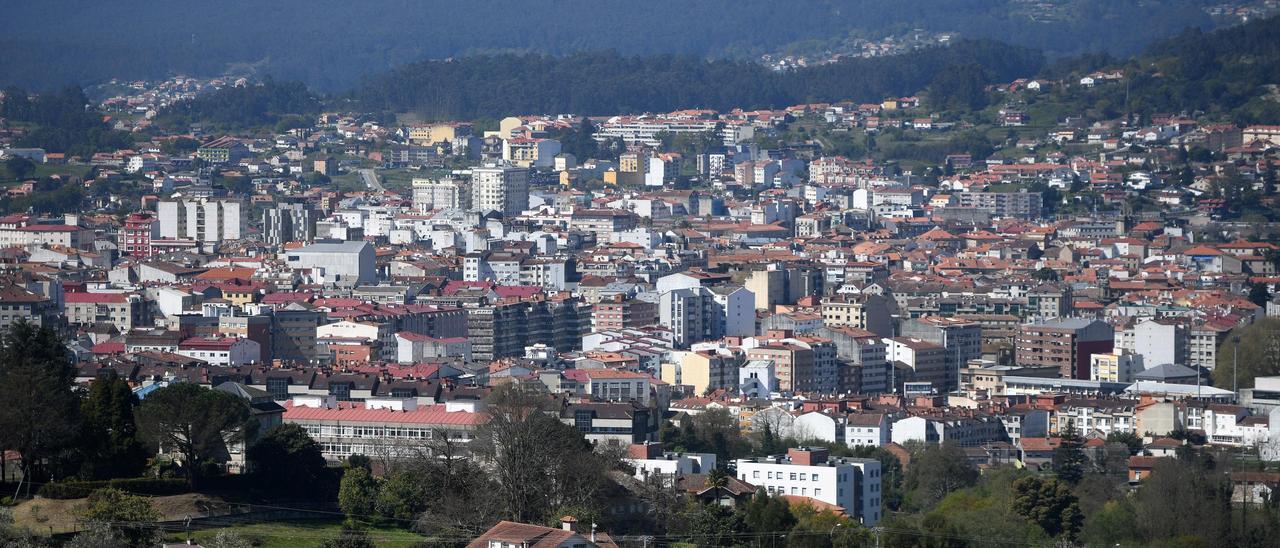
[(438, 133), (704, 370)]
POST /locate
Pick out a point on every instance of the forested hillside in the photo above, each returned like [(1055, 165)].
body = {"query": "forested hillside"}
[(276, 105), (332, 44), (1231, 72), (610, 83)]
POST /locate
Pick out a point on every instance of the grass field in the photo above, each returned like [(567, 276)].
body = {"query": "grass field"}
[(306, 534)]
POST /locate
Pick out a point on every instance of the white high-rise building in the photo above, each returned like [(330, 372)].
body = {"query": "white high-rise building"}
[(500, 188), (430, 194), (207, 221)]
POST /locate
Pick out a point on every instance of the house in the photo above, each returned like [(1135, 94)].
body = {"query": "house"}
[(227, 351), (867, 430), (649, 459), (1140, 467), (509, 534), (734, 492)]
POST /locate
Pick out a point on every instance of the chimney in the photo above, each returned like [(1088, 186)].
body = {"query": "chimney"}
[(807, 456), (646, 450), (567, 522)]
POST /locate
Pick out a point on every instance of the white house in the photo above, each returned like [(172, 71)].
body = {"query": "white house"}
[(649, 459), (757, 379), (227, 351), (867, 430), (816, 425)]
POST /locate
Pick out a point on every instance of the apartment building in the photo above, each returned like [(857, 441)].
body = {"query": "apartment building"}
[(703, 370), (431, 194), (503, 329), (961, 338), (500, 188), (123, 310), (1020, 205), (381, 427), (206, 221), (850, 483), (1067, 344)]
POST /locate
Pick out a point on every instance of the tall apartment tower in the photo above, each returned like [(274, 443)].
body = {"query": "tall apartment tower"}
[(500, 188), (429, 194), (207, 221), (289, 223)]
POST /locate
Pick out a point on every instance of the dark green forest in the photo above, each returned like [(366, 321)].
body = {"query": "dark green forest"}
[(1225, 73), (332, 44), (608, 83), (61, 121), (275, 105)]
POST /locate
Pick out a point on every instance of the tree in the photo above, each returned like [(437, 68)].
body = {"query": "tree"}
[(1259, 354), (194, 422), (350, 537), (227, 539), (1046, 274), (1258, 294), (131, 517), (358, 494), (1112, 525), (708, 524), (960, 87), (287, 459), (41, 415), (20, 167), (1068, 458), (539, 463), (769, 442), (766, 513), (1130, 440), (1049, 503), (1181, 498), (98, 535), (823, 529), (111, 445), (936, 471), (716, 478)]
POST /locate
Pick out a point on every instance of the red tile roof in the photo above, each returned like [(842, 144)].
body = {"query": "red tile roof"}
[(356, 412)]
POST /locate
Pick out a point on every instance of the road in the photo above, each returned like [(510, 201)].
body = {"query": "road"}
[(371, 180)]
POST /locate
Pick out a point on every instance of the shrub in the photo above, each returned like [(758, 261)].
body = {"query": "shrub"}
[(139, 486)]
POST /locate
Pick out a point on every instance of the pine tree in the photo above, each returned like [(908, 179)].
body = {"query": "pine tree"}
[(112, 445), (1069, 458)]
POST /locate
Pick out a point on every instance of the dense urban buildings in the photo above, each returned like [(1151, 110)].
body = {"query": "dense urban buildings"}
[(1021, 297)]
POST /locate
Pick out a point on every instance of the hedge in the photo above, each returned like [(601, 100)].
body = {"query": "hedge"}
[(137, 486)]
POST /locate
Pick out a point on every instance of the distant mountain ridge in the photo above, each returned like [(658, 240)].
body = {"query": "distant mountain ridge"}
[(332, 44), (610, 83)]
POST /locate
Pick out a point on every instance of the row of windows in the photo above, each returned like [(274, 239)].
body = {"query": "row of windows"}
[(802, 491), (769, 474), (379, 432)]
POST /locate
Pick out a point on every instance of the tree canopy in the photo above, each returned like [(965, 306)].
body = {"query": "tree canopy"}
[(41, 410), (193, 422)]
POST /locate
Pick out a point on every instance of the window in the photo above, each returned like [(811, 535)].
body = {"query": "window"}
[(814, 478), (582, 420), (793, 476), (817, 492), (754, 474)]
